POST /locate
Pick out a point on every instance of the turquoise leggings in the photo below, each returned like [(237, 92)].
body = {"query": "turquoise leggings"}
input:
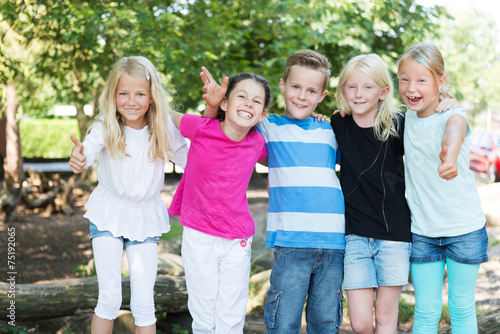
[(427, 280)]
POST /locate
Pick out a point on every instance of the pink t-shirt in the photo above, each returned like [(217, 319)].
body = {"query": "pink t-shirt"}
[(211, 197)]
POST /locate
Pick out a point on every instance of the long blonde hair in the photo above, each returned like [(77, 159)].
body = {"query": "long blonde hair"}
[(386, 120), (428, 55), (156, 116)]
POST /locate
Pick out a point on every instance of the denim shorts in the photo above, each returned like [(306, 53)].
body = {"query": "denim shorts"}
[(94, 233), (470, 248), (370, 263)]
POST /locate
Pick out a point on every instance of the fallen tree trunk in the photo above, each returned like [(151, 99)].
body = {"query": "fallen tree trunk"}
[(28, 302)]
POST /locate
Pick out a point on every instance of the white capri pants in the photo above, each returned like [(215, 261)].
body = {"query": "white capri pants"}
[(217, 273), (143, 263)]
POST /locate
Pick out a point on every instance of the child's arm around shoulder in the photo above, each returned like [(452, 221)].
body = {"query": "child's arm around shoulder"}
[(447, 104), (453, 137), (320, 117)]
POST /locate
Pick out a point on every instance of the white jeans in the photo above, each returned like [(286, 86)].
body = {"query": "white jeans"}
[(143, 263), (217, 272)]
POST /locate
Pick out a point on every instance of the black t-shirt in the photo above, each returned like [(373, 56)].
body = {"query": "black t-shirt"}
[(373, 181)]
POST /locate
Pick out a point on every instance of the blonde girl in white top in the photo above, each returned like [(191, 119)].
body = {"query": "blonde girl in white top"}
[(133, 138)]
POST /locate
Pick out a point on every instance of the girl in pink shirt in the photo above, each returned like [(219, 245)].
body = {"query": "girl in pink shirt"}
[(212, 204)]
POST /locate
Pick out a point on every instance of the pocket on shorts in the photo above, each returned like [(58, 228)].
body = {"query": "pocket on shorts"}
[(474, 236), (271, 308), (349, 237), (279, 251)]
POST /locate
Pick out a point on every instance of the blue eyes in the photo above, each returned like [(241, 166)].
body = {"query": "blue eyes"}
[(311, 91), (139, 94), (354, 87)]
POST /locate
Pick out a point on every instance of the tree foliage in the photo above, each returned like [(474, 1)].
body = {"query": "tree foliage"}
[(469, 41), (73, 44)]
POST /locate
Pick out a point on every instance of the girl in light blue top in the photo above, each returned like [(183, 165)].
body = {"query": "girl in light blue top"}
[(447, 223)]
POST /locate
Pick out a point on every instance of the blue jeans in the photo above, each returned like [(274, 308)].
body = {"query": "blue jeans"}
[(299, 273)]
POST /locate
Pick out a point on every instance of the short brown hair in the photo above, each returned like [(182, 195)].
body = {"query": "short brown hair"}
[(310, 59)]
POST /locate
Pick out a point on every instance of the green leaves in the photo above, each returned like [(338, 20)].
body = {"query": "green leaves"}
[(73, 45)]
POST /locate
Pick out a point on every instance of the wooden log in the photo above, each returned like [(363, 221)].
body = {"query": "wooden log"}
[(39, 192), (70, 296), (40, 200)]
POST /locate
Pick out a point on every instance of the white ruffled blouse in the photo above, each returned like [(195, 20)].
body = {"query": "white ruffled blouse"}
[(127, 200)]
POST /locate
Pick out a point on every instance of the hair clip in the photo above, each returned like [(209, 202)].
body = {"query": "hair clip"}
[(421, 59), (147, 75)]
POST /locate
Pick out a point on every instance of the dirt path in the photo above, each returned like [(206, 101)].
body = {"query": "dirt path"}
[(48, 247)]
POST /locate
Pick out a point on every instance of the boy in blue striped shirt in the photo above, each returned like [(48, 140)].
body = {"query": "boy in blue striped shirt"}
[(306, 206)]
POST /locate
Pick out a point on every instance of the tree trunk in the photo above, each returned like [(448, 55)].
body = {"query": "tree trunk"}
[(83, 120), (13, 165), (14, 158), (30, 302)]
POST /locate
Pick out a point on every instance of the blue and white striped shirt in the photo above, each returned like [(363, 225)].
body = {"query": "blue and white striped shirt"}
[(306, 204)]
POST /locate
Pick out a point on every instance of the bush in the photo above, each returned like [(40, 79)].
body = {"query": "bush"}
[(47, 138)]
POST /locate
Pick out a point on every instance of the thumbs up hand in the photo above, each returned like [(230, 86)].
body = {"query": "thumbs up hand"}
[(78, 159), (447, 168)]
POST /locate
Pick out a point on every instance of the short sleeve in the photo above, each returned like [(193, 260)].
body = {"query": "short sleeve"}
[(94, 143), (190, 124), (400, 127), (335, 121), (263, 127)]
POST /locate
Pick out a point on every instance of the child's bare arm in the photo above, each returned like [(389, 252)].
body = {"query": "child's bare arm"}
[(213, 92), (176, 118), (454, 135)]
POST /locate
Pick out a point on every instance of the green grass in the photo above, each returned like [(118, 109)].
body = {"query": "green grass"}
[(405, 311), (175, 229), (5, 328)]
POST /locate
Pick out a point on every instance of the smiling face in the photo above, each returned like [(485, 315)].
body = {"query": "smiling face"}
[(133, 97), (244, 108), (418, 87), (362, 94), (303, 91)]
